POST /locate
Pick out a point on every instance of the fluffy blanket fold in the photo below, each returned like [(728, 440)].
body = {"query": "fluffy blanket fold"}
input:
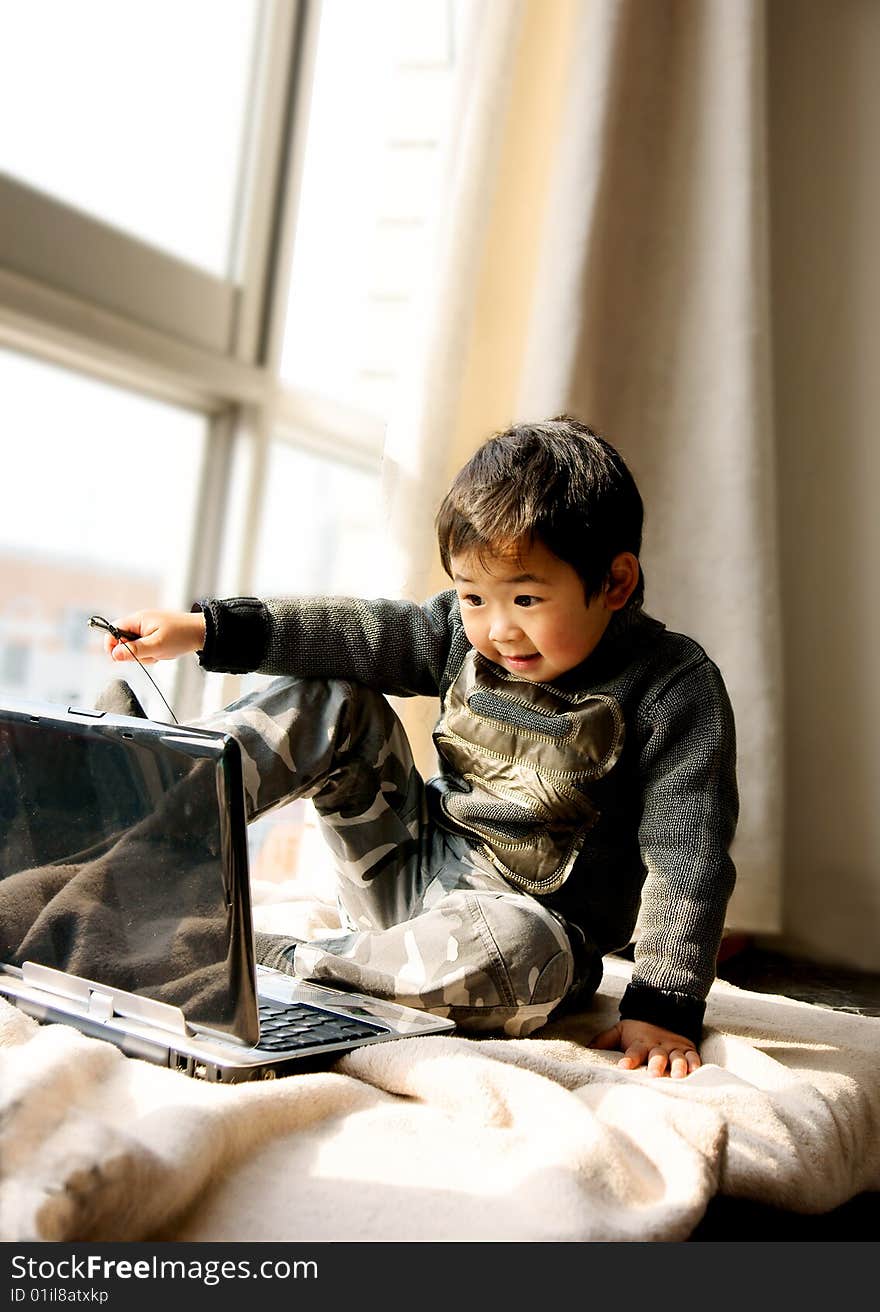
[(444, 1138)]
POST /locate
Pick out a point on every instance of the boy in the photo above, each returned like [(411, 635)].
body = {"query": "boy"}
[(587, 759)]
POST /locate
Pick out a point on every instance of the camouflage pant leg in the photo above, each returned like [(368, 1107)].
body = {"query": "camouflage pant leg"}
[(432, 925), (491, 960), (343, 747)]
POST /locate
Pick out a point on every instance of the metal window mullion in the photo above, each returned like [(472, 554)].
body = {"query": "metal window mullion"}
[(236, 546), (288, 44), (263, 185), (210, 522), (303, 56)]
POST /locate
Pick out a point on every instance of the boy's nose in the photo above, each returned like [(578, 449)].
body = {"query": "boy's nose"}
[(504, 630)]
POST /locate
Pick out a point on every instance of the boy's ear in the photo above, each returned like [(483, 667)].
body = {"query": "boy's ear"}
[(623, 576)]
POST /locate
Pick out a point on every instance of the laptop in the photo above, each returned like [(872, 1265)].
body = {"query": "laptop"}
[(125, 902)]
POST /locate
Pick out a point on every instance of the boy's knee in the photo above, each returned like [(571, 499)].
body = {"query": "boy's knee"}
[(525, 952), (322, 717), (489, 960)]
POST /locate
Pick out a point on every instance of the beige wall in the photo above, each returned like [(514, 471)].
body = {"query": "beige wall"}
[(824, 115)]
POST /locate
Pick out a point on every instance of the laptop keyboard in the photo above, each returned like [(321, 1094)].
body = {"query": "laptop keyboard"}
[(302, 1025)]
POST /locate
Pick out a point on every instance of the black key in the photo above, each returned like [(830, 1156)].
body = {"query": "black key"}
[(300, 1025)]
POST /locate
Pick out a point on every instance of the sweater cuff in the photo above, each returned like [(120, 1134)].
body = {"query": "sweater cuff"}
[(670, 1011), (236, 634)]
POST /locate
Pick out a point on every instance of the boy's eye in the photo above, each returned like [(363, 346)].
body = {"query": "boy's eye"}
[(472, 599), (525, 601)]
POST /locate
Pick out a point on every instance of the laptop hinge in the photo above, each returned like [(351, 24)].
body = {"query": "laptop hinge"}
[(103, 1003), (100, 1004)]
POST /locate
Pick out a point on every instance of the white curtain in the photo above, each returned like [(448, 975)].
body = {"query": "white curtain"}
[(640, 303)]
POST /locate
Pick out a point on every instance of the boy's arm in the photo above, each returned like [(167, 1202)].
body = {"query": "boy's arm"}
[(690, 809), (395, 647)]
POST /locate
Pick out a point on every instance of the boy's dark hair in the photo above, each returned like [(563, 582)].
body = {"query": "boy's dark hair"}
[(556, 481)]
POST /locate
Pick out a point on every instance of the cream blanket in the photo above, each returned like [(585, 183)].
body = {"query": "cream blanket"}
[(444, 1138)]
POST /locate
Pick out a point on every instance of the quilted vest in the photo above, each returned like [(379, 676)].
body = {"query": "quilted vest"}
[(519, 758)]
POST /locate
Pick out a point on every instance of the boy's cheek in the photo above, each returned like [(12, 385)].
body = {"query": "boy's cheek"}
[(482, 646), (474, 633)]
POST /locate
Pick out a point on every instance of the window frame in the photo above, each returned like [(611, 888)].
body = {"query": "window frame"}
[(163, 328)]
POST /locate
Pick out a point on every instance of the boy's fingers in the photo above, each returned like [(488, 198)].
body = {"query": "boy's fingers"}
[(678, 1064), (677, 1061), (635, 1055), (129, 651), (657, 1061), (140, 647), (133, 623)]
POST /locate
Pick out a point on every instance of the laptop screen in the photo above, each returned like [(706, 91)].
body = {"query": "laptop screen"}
[(123, 860)]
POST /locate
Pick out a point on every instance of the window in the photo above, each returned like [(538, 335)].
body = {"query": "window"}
[(210, 268)]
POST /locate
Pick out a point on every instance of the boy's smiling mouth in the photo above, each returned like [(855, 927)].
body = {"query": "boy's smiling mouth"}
[(520, 662)]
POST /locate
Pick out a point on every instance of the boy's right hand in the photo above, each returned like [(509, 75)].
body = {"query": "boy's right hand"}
[(164, 635)]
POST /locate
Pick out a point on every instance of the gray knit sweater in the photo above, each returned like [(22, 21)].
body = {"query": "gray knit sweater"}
[(664, 815)]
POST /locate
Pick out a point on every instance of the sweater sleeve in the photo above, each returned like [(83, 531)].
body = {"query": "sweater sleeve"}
[(689, 814), (395, 647)]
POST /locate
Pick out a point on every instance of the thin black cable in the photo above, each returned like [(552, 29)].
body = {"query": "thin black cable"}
[(98, 622)]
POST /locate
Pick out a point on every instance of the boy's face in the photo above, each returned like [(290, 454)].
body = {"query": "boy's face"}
[(527, 612)]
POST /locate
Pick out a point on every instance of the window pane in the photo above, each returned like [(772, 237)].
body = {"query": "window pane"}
[(321, 532), (371, 185), (99, 494), (321, 527), (134, 113)]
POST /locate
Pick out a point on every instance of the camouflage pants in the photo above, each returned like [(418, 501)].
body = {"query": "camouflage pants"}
[(430, 923)]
